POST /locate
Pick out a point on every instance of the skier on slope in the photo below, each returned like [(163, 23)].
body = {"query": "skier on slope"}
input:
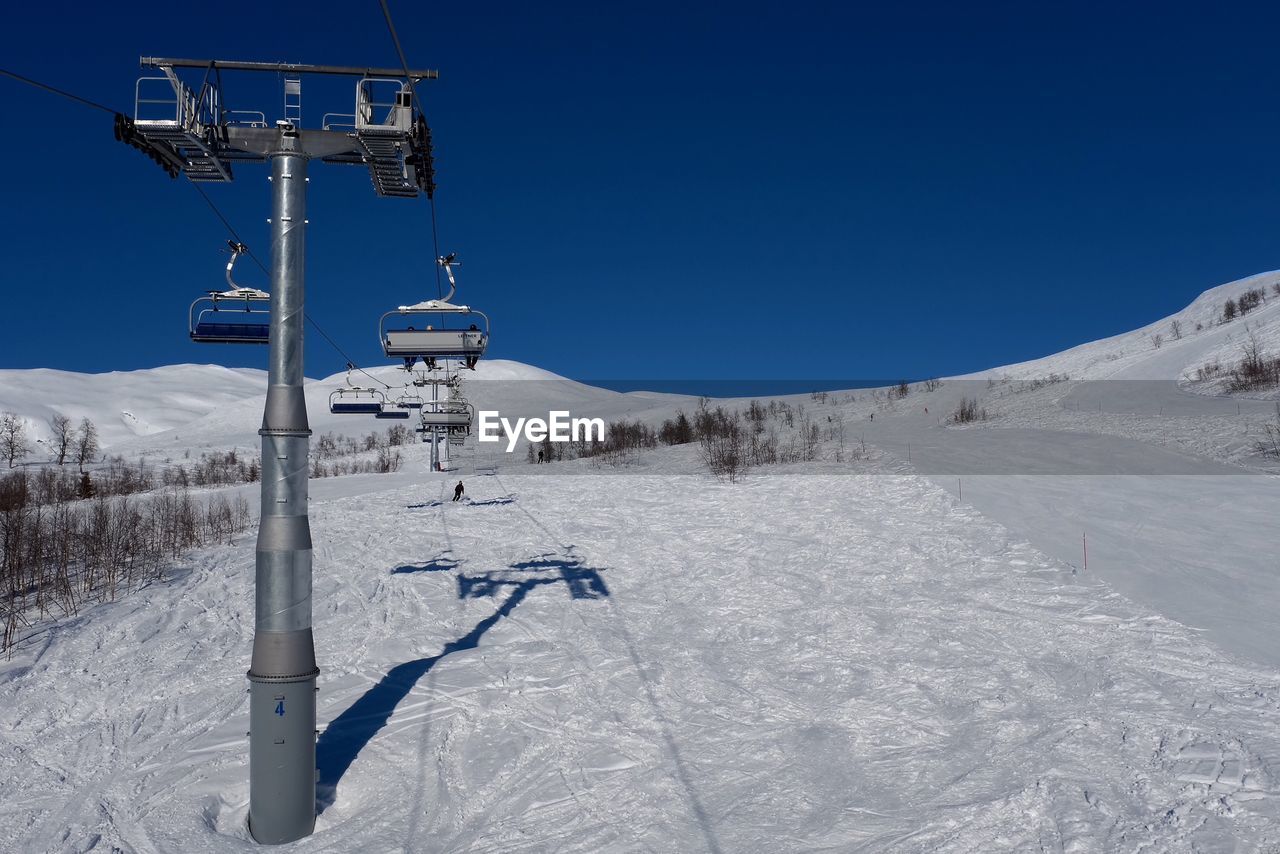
[(457, 492)]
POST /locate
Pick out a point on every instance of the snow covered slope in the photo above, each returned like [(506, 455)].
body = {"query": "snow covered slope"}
[(515, 389), (654, 663), (125, 404), (1133, 356)]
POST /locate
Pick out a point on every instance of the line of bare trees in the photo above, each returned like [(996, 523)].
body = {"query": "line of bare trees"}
[(622, 439), (1248, 301), (55, 559), (77, 444), (330, 448), (732, 441)]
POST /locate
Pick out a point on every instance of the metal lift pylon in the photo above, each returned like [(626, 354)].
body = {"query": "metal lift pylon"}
[(190, 132)]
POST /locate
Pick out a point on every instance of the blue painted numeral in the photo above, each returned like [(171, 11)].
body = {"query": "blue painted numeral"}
[(280, 708)]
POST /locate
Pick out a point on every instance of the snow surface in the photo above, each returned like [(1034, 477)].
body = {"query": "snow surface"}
[(657, 663), (125, 404), (827, 656)]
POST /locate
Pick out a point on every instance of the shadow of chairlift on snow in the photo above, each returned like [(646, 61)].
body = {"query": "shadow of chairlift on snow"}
[(439, 564), (488, 502), (584, 582), (347, 735), (493, 502), (424, 505)]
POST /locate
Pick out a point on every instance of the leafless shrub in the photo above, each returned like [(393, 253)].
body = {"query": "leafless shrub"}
[(676, 431), (1269, 444), (1208, 370), (967, 411), (1255, 370), (720, 437)]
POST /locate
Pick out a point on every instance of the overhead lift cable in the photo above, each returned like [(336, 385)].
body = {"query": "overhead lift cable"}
[(55, 90), (431, 186)]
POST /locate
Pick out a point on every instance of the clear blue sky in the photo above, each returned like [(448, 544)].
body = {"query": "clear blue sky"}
[(675, 190)]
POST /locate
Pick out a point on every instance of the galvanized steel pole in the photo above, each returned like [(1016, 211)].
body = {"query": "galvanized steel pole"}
[(282, 676)]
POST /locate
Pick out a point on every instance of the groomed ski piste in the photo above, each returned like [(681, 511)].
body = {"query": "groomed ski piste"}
[(900, 653)]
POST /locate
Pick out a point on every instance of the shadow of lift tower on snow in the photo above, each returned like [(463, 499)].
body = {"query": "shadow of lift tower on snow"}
[(344, 738)]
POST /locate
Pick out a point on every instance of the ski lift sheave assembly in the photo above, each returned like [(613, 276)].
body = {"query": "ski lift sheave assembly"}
[(219, 318), (411, 343)]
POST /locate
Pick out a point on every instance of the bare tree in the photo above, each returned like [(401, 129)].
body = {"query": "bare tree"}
[(13, 438), (63, 436), (1156, 340), (1175, 329), (86, 445)]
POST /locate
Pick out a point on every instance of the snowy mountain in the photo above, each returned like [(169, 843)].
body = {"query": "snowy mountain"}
[(1134, 356), (1050, 631), (125, 404)]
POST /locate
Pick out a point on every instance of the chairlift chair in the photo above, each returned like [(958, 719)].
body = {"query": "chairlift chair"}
[(390, 411), (218, 317), (410, 401), (421, 340), (452, 416), (354, 400)]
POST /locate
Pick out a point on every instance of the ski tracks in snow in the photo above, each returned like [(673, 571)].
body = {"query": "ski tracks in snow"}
[(657, 663)]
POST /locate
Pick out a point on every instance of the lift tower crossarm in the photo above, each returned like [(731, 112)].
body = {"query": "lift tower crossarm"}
[(293, 67)]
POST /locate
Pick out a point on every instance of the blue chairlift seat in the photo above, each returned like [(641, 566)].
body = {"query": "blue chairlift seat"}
[(209, 332), (355, 408), (237, 316), (356, 401), (392, 413)]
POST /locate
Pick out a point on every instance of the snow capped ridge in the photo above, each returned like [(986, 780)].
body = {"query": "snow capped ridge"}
[(1138, 355), (125, 404), (486, 370)]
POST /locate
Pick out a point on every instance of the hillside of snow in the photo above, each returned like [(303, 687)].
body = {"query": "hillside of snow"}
[(125, 405), (1049, 631), (1134, 356), (514, 389)]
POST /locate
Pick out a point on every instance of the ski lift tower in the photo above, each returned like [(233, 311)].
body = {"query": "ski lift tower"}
[(188, 130)]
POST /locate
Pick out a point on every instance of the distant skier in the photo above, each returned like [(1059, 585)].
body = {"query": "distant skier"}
[(457, 492), (873, 416), (539, 457)]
